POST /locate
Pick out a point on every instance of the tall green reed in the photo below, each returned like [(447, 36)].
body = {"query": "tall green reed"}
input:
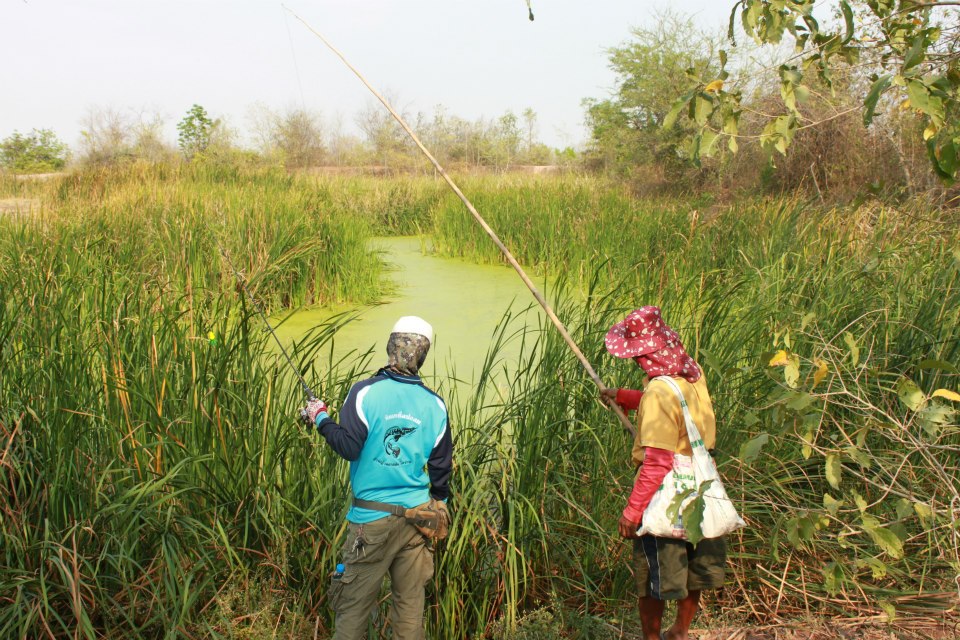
[(843, 459), (149, 476)]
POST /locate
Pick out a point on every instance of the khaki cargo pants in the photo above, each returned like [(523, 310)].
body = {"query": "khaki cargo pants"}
[(371, 550)]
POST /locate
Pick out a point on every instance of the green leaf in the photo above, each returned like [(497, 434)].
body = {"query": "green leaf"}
[(790, 75), (693, 516), (832, 577), (948, 158), (703, 109), (870, 103), (800, 401), (750, 449), (831, 504), (708, 143), (884, 538), (859, 501), (852, 345), (877, 568), (730, 30), (859, 456), (848, 21), (807, 439), (791, 373), (710, 359), (941, 365), (924, 512), (904, 508), (920, 98), (889, 610), (675, 109), (673, 509), (785, 127), (910, 394), (934, 416), (801, 529), (932, 153), (833, 470), (916, 53)]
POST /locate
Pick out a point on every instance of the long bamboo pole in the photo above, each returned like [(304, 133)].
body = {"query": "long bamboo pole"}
[(628, 425)]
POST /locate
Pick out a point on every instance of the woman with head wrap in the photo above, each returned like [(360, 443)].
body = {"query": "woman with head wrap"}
[(664, 568)]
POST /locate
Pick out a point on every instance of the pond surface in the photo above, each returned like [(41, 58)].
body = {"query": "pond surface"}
[(463, 301)]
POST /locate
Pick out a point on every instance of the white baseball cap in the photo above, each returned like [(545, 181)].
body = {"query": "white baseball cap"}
[(414, 324)]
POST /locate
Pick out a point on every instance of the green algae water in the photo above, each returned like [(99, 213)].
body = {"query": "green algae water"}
[(465, 302)]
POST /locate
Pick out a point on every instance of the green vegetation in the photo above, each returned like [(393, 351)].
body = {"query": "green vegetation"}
[(627, 128), (155, 482), (887, 53), (826, 335), (36, 152), (864, 101), (196, 131)]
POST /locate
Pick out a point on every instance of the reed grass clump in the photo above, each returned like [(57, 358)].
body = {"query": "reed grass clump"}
[(155, 483), (830, 339), (145, 465)]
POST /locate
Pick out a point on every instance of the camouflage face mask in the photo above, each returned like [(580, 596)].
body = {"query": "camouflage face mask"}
[(406, 352)]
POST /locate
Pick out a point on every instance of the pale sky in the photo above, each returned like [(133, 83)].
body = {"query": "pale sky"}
[(479, 58)]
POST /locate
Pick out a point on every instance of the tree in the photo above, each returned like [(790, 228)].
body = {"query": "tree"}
[(387, 139), (196, 131), (506, 140), (299, 138), (110, 136), (38, 151), (107, 136), (908, 53), (626, 129)]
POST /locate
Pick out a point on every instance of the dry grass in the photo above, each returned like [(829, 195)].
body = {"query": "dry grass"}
[(907, 629)]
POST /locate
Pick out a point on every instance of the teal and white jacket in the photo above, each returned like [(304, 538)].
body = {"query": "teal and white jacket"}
[(394, 432)]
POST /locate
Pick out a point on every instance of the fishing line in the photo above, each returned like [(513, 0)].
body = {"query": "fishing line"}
[(628, 425), (296, 67), (256, 305)]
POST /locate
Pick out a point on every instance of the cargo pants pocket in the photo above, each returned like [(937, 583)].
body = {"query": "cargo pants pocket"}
[(364, 556), (337, 585)]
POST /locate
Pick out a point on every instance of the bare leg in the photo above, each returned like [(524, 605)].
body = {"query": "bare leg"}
[(686, 609), (651, 617)]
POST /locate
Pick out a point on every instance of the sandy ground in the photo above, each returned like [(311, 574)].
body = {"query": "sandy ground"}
[(40, 176), (18, 206)]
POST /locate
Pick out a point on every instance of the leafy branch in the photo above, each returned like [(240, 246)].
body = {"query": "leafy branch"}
[(911, 50)]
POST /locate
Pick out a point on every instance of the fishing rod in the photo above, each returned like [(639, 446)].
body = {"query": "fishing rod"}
[(628, 425), (307, 391)]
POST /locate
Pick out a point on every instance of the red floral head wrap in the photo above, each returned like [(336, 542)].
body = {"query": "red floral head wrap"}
[(645, 337)]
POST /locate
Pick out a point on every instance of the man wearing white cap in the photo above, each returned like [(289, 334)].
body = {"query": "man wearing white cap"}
[(394, 432)]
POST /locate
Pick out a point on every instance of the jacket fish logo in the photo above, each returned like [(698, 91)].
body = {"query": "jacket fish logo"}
[(393, 437)]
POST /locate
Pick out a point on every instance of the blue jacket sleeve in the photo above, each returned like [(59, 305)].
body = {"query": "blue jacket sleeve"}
[(440, 466), (346, 438)]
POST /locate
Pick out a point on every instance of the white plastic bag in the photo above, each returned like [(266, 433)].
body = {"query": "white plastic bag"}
[(664, 515)]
